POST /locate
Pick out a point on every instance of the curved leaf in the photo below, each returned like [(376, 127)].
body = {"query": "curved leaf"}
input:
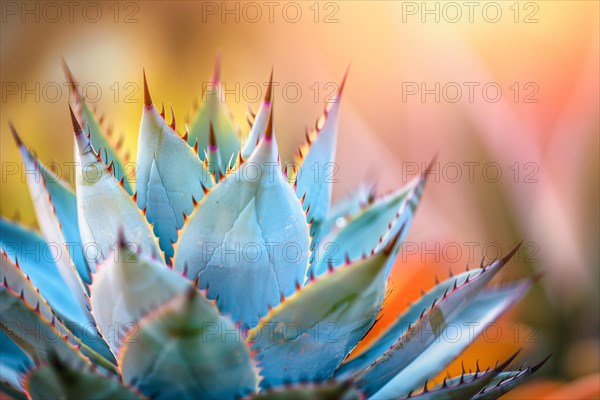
[(55, 205), (186, 350), (12, 391), (35, 335), (426, 330), (370, 229), (308, 335), (247, 241), (344, 210), (461, 387), (104, 207), (507, 381), (13, 362), (316, 174), (215, 111), (126, 287), (169, 175), (36, 260), (399, 328), (17, 278), (58, 380), (98, 138), (81, 335), (460, 333), (309, 391)]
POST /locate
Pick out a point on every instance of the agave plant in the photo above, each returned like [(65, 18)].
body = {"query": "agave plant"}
[(224, 274)]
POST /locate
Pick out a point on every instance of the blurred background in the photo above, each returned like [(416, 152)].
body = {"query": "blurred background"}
[(505, 93)]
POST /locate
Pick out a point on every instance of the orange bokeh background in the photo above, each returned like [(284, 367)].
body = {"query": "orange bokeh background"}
[(548, 49)]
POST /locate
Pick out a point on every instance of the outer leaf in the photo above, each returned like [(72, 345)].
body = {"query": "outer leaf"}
[(344, 210), (56, 210), (248, 240), (126, 287), (507, 381), (169, 175), (307, 336), (215, 111), (98, 137), (433, 323), (12, 391), (58, 380), (186, 350), (461, 332), (54, 204), (104, 206), (19, 282), (91, 344), (13, 361), (370, 229), (464, 386), (316, 174), (322, 391), (37, 262), (32, 332)]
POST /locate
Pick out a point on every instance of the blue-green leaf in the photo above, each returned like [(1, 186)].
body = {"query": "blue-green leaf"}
[(56, 211), (34, 334), (15, 281), (460, 333), (331, 390), (317, 171), (309, 334), (169, 175), (461, 387), (426, 330), (98, 137), (35, 258), (104, 207), (260, 122), (59, 380), (128, 286), (506, 381), (214, 110), (247, 241), (186, 350), (370, 229), (13, 362)]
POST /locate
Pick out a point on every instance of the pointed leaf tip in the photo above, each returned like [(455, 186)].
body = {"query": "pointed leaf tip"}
[(269, 94), (147, 98), (507, 257), (15, 134), (212, 140), (74, 121), (269, 128), (68, 74), (343, 82), (216, 76)]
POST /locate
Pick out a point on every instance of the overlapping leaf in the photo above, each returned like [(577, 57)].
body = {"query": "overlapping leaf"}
[(214, 110), (247, 241), (370, 229), (186, 350), (425, 332), (128, 286), (98, 136), (169, 174), (317, 171), (308, 335), (104, 207), (323, 391), (58, 380)]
